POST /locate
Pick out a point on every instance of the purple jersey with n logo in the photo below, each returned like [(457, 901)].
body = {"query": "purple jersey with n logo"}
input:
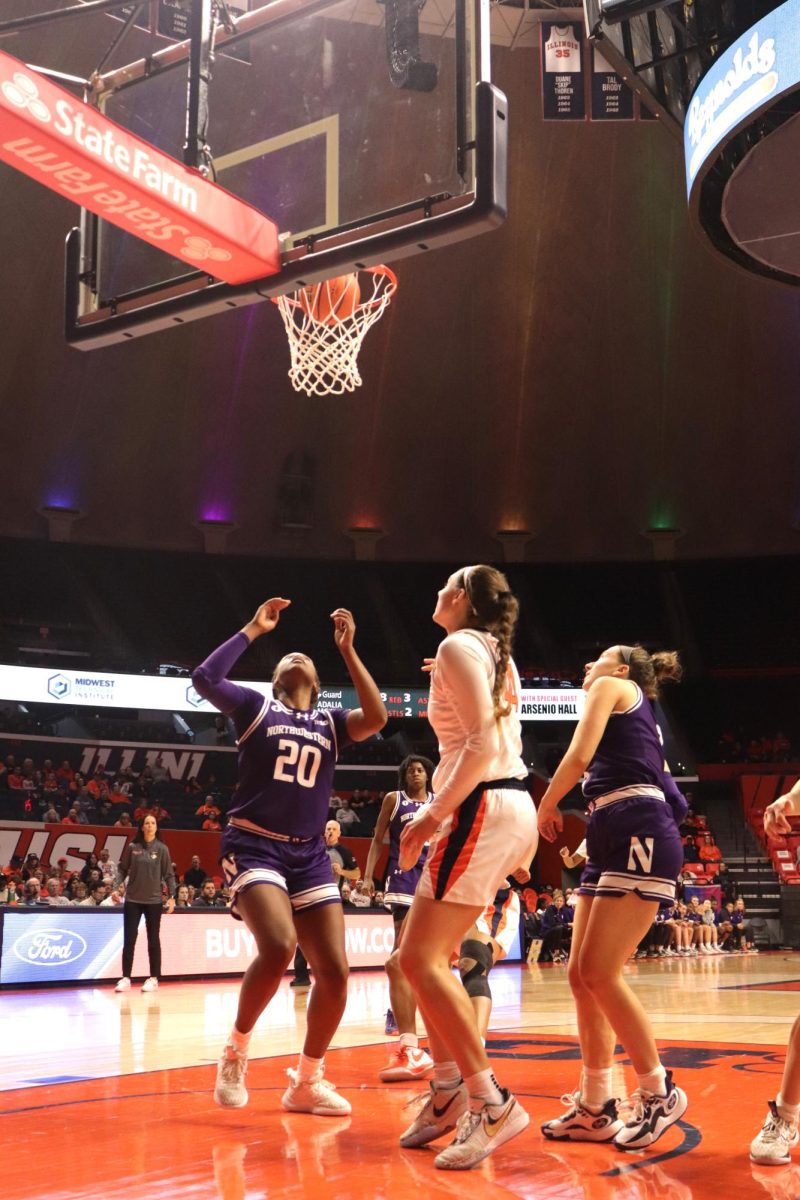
[(629, 753), (287, 756)]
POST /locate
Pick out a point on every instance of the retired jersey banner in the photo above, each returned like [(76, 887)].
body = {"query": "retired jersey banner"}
[(563, 97), (612, 99), (73, 149)]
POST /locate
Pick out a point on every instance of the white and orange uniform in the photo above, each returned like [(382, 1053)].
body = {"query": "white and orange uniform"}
[(500, 922), (487, 818)]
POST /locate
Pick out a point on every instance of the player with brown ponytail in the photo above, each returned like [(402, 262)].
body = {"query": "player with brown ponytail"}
[(634, 854), (481, 826)]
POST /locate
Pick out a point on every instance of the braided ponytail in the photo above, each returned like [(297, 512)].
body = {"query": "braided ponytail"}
[(496, 609)]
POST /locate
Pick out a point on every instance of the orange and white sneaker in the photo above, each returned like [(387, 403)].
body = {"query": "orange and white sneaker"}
[(406, 1062)]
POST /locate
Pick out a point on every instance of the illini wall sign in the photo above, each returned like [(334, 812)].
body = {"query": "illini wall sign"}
[(73, 149)]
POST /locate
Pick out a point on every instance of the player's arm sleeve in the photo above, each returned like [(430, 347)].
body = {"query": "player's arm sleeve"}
[(463, 673), (209, 678), (339, 717), (675, 797)]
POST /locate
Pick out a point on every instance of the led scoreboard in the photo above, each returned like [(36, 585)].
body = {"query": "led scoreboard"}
[(536, 704), (32, 685)]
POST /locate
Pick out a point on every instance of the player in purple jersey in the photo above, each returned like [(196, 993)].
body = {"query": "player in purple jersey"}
[(414, 777), (273, 851), (634, 856)]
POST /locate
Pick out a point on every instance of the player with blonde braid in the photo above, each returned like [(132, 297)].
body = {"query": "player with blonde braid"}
[(481, 825)]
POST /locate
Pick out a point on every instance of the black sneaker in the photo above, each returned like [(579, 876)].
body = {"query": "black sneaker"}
[(652, 1116), (299, 984)]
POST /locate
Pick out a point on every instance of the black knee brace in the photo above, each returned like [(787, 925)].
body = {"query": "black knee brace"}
[(475, 978)]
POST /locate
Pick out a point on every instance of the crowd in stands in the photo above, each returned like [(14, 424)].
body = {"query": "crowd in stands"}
[(60, 794), (29, 883), (744, 746)]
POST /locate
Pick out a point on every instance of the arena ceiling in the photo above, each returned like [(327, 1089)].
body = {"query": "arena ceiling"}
[(586, 373)]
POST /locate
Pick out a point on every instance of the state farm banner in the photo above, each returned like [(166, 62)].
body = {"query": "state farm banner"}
[(73, 149), (79, 945)]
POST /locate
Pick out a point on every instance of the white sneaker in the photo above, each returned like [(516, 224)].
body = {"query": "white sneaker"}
[(315, 1095), (481, 1130), (775, 1140), (229, 1090), (149, 985), (124, 985), (652, 1115), (438, 1115), (580, 1124), (406, 1062)]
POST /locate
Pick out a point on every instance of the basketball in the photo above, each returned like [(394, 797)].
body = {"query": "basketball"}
[(333, 300)]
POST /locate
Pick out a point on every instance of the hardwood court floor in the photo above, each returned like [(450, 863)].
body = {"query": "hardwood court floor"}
[(108, 1096)]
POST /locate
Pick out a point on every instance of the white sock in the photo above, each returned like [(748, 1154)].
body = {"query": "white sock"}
[(484, 1086), (654, 1081), (789, 1112), (307, 1067), (596, 1087), (239, 1041), (446, 1076), (409, 1039)]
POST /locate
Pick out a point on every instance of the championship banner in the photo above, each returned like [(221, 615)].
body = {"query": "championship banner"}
[(563, 96), (612, 99), (74, 150)]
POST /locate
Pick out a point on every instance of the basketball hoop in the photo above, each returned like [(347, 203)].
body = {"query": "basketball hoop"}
[(326, 324)]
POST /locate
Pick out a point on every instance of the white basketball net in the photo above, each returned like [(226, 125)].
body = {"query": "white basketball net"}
[(324, 354)]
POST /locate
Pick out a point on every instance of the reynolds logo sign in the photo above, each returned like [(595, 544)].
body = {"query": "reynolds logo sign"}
[(50, 947), (762, 64)]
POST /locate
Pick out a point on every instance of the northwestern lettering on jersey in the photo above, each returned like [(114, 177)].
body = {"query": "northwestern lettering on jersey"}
[(286, 766), (299, 731)]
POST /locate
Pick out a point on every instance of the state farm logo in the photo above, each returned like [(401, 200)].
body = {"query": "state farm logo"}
[(22, 92), (200, 249), (59, 686), (50, 947)]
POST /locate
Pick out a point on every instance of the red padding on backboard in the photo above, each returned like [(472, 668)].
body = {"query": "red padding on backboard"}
[(73, 149)]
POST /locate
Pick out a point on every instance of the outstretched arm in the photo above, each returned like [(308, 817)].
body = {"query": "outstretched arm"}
[(776, 815), (209, 678), (371, 716), (600, 702)]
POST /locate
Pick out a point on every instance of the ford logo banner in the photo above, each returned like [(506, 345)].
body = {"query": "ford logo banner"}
[(50, 947)]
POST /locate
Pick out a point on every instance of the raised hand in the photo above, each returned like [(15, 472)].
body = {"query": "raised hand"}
[(267, 616), (344, 629)]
